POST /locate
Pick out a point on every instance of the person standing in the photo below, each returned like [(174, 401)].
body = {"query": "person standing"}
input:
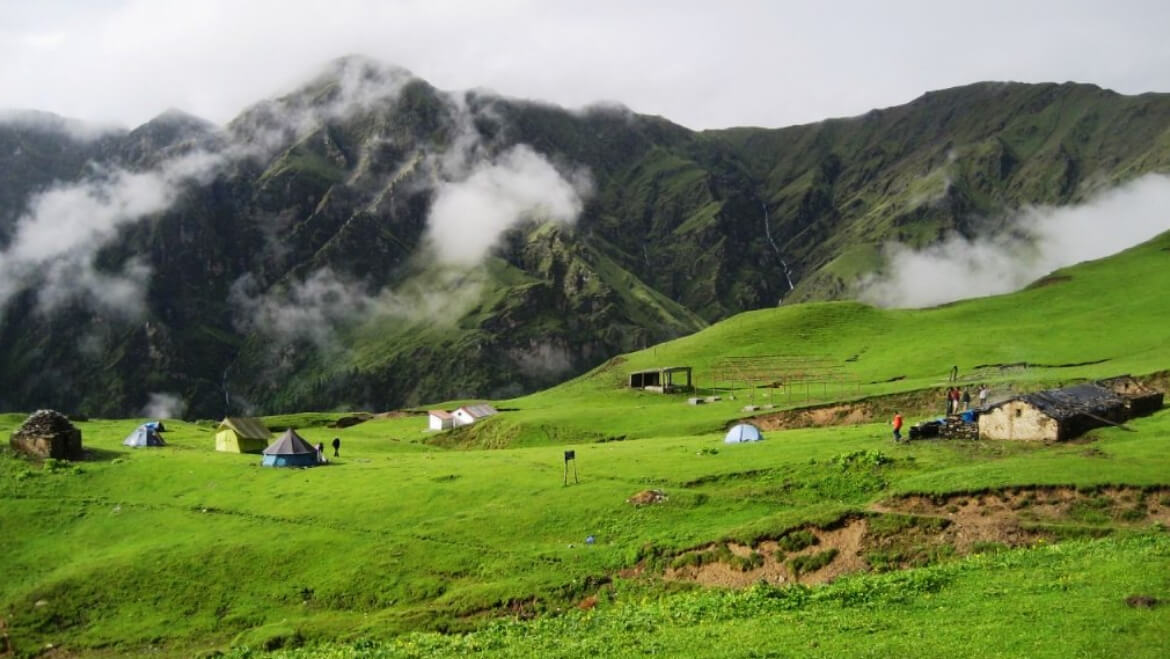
[(955, 396), (336, 447), (320, 453), (966, 399), (983, 392), (897, 424)]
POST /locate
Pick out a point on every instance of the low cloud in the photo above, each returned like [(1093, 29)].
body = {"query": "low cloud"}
[(308, 309), (162, 405), (1040, 240), (345, 87), (468, 216), (314, 309), (56, 241), (47, 122)]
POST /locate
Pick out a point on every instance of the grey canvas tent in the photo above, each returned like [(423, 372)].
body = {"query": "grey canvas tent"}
[(290, 450), (144, 435), (744, 432)]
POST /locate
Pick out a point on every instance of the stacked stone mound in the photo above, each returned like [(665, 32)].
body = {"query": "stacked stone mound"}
[(48, 434), (955, 428)]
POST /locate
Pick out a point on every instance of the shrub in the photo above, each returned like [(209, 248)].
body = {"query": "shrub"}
[(986, 547), (746, 563), (797, 540), (811, 562), (1135, 514)]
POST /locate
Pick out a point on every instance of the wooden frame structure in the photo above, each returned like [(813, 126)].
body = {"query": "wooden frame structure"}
[(661, 380), (800, 378)]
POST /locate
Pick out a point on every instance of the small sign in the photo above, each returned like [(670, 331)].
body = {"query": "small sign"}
[(570, 456)]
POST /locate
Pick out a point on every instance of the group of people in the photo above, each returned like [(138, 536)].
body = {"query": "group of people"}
[(956, 397), (321, 450)]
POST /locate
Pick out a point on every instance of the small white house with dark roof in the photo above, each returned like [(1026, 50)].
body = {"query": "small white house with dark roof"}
[(469, 414), (440, 420)]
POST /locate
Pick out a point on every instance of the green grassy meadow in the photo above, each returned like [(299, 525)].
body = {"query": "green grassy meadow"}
[(420, 544)]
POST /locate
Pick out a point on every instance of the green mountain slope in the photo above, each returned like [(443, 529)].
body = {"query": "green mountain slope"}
[(332, 184), (1071, 325)]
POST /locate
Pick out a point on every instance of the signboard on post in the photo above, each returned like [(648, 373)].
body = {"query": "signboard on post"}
[(571, 456)]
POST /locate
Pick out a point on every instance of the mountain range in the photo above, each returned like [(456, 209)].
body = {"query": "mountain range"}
[(369, 241)]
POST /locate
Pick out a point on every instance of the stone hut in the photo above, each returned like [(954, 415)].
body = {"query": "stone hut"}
[(48, 434), (1140, 400), (1053, 414)]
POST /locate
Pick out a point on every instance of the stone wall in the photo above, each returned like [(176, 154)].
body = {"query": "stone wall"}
[(1018, 420)]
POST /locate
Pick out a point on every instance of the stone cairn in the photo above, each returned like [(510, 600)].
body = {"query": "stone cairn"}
[(48, 434)]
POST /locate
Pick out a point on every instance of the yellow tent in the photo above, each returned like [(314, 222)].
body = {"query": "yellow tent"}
[(242, 435)]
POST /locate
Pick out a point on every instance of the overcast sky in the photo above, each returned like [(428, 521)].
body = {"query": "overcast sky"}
[(702, 64)]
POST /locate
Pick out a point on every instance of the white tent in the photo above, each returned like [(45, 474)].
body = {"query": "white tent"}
[(744, 432)]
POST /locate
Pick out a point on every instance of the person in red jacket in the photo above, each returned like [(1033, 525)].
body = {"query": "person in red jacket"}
[(897, 423)]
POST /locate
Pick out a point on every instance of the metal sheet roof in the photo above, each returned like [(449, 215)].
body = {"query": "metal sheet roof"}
[(1071, 401)]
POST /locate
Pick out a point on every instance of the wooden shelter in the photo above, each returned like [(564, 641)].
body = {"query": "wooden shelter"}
[(661, 380)]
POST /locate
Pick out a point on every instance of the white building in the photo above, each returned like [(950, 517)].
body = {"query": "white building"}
[(440, 420), (469, 414)]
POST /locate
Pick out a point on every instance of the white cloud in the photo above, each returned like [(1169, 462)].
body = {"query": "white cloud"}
[(469, 216), (1040, 240), (56, 241)]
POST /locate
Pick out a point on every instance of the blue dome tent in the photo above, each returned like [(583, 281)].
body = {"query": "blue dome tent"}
[(144, 435), (744, 432), (290, 450)]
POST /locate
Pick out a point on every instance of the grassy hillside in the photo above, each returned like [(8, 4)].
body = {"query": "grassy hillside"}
[(396, 536), (1073, 324), (399, 542)]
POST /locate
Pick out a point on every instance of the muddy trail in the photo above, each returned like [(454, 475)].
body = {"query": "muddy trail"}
[(918, 530)]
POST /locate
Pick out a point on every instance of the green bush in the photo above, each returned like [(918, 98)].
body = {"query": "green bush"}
[(797, 540), (811, 562)]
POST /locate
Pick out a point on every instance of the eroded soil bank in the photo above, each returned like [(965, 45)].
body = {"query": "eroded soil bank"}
[(920, 529)]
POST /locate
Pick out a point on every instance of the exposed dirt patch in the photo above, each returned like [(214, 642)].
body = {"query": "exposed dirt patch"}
[(398, 414), (1141, 602), (775, 565), (348, 421), (1013, 515), (920, 530), (647, 497)]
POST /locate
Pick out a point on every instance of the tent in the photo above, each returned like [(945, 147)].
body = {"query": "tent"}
[(144, 435), (744, 432), (290, 450), (241, 435), (157, 425)]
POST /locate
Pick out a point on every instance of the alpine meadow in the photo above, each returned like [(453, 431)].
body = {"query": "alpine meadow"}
[(377, 369)]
